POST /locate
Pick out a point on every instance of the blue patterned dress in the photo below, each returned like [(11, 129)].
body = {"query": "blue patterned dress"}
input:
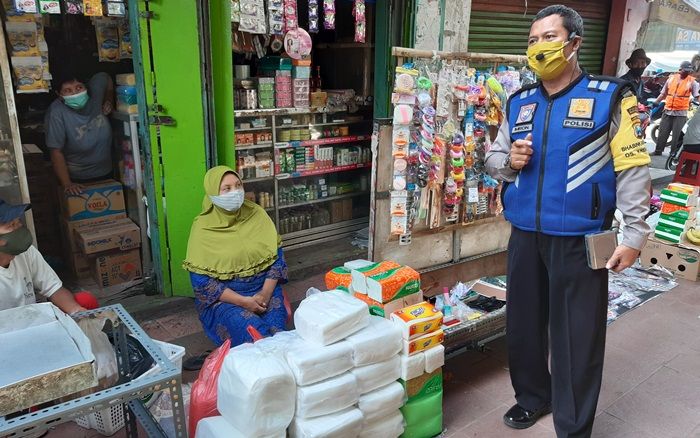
[(223, 321)]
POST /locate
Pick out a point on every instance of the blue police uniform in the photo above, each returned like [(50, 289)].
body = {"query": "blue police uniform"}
[(568, 189)]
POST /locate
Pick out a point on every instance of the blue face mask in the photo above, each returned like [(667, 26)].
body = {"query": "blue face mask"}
[(77, 101), (230, 201)]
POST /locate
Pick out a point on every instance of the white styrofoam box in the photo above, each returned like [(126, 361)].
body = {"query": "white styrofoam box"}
[(382, 402), (256, 391), (328, 317), (110, 420), (434, 358), (377, 342), (218, 427), (390, 426), (412, 366), (311, 363), (343, 424), (380, 374), (327, 397)]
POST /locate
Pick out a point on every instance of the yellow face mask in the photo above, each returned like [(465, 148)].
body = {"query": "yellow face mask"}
[(547, 59)]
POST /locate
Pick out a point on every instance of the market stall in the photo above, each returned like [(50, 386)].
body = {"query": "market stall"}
[(433, 206)]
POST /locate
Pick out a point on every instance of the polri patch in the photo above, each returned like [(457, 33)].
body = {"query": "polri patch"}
[(526, 114), (581, 108), (522, 128), (576, 123)]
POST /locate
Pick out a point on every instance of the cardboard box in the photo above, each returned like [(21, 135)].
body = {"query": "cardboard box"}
[(117, 267), (385, 310), (679, 198), (69, 228), (682, 260), (122, 234), (97, 200), (670, 234)]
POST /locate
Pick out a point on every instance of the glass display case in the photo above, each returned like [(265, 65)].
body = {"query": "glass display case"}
[(309, 170)]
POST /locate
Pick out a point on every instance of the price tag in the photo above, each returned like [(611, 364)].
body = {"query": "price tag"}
[(473, 195)]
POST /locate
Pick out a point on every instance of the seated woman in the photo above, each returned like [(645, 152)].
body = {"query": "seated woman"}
[(235, 262)]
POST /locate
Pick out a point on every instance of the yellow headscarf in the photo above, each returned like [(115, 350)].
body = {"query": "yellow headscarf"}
[(227, 245)]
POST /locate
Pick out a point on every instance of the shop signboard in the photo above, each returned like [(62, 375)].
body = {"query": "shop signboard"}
[(676, 12), (687, 40)]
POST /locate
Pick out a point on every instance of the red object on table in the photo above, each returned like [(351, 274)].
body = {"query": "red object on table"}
[(86, 299)]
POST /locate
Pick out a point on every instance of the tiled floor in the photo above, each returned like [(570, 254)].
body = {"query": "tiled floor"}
[(651, 385)]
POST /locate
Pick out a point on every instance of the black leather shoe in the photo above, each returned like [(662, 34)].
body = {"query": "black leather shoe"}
[(518, 417), (657, 154)]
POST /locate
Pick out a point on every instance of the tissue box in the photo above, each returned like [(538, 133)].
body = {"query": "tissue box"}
[(377, 375), (359, 276), (328, 317), (679, 198), (377, 342), (347, 423), (425, 385), (391, 425), (423, 343), (413, 366), (339, 278), (393, 284), (327, 397), (676, 221), (423, 410), (669, 208), (381, 402), (668, 233), (417, 320), (386, 309)]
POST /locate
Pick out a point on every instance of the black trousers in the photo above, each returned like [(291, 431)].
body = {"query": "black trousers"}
[(556, 309), (670, 125)]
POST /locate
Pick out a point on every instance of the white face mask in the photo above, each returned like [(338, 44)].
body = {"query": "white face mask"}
[(230, 201)]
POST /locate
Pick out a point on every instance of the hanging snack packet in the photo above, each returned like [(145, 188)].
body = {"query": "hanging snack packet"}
[(275, 9), (116, 8), (360, 21), (29, 74), (93, 8), (23, 38), (73, 7), (125, 49), (107, 33), (291, 15), (329, 14), (313, 16), (49, 6), (27, 6)]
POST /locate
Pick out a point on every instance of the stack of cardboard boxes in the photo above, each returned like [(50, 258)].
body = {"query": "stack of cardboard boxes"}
[(99, 240), (42, 183)]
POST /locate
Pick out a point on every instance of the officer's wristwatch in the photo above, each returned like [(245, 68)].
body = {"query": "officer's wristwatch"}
[(506, 162)]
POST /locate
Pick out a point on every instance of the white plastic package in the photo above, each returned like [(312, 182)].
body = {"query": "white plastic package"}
[(434, 358), (218, 427), (412, 366), (280, 343), (343, 424), (311, 363), (327, 397), (380, 374), (256, 391), (328, 317), (382, 402), (391, 426), (377, 342)]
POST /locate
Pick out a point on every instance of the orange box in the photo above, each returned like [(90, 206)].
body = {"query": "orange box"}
[(393, 284), (359, 276), (386, 309)]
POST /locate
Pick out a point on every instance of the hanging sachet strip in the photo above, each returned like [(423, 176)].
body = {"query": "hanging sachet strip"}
[(329, 14)]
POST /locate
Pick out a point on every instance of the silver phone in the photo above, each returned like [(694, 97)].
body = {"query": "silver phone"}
[(600, 248)]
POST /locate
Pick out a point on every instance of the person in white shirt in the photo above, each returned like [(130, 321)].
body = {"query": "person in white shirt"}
[(23, 270)]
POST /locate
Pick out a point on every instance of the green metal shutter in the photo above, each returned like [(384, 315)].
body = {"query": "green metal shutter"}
[(503, 27)]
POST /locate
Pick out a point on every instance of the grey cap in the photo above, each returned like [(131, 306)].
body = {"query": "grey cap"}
[(686, 66)]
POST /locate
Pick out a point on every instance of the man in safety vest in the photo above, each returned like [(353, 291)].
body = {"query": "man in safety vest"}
[(677, 92), (570, 152)]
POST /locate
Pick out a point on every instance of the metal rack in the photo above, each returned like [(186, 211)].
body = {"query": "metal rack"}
[(128, 392), (274, 117)]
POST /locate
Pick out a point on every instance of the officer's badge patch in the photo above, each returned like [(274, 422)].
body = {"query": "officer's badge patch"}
[(638, 132), (526, 114), (581, 108)]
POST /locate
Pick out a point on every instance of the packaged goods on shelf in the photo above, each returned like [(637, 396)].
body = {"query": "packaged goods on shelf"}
[(344, 424), (126, 79), (393, 284), (382, 402), (256, 391), (386, 309), (412, 366), (377, 342), (326, 397), (434, 358), (375, 376), (325, 318), (682, 198), (422, 411), (389, 426), (359, 276), (339, 278), (417, 320), (311, 363)]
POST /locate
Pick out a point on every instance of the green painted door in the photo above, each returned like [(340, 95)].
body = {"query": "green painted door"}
[(176, 121)]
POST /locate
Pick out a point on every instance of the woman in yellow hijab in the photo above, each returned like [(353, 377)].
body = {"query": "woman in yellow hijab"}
[(235, 262)]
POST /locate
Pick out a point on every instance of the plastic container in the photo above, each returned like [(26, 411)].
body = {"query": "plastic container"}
[(109, 421)]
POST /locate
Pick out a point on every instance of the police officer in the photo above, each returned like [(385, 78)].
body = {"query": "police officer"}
[(676, 92), (570, 151)]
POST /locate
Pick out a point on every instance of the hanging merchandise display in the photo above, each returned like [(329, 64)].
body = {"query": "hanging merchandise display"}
[(73, 7), (115, 8), (329, 14), (360, 21), (253, 17), (275, 9), (29, 52), (297, 43), (450, 112), (313, 16), (107, 33), (236, 11), (27, 6), (291, 15), (92, 8), (49, 6), (125, 48)]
